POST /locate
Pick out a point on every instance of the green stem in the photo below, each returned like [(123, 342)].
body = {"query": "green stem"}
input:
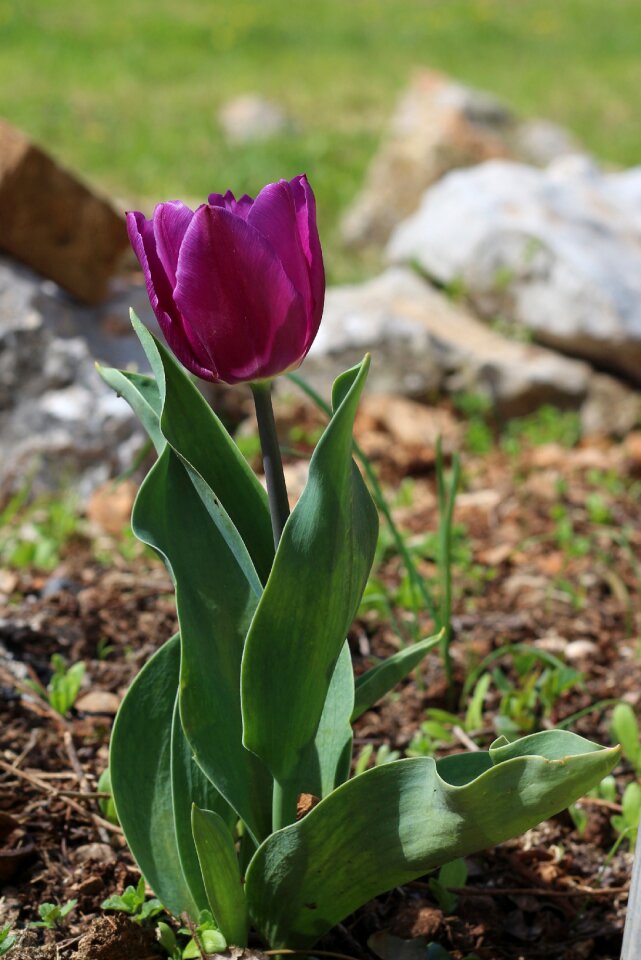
[(272, 461), (284, 802)]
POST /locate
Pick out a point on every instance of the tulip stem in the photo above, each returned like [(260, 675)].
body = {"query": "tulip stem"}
[(272, 461)]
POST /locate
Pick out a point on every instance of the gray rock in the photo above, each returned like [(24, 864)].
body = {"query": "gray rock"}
[(611, 408), (541, 142), (423, 342), (58, 420), (556, 251), (440, 125), (250, 117)]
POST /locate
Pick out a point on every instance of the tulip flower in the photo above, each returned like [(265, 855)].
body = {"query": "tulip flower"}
[(237, 285)]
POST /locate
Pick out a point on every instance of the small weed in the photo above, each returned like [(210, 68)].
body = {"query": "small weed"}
[(625, 730), (548, 424), (626, 823), (132, 902), (33, 535), (207, 940), (52, 915), (384, 754), (451, 875), (106, 804), (7, 940), (63, 688)]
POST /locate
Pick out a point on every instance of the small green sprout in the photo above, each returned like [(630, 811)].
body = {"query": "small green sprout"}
[(207, 933), (384, 754), (626, 823), (52, 915), (106, 804), (63, 688), (625, 730), (7, 940), (132, 901), (451, 875)]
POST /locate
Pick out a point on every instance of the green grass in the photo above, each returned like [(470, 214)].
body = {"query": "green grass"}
[(127, 91)]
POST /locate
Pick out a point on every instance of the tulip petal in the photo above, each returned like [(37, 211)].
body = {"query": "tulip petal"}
[(241, 304), (306, 218), (274, 216), (170, 223), (142, 238), (240, 207)]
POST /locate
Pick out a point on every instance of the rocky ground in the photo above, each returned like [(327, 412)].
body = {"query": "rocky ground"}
[(545, 547)]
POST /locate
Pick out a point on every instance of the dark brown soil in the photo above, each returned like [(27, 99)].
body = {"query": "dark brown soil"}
[(519, 577)]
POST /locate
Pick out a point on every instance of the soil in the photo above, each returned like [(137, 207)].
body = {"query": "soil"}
[(545, 554)]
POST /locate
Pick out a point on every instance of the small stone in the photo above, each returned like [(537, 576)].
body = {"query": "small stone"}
[(581, 649), (250, 118), (8, 581), (632, 448), (98, 702), (552, 643), (94, 853), (109, 507), (610, 409)]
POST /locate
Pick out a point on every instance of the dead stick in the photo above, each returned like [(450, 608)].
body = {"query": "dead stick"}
[(529, 891), (307, 953), (80, 773), (52, 792), (463, 738)]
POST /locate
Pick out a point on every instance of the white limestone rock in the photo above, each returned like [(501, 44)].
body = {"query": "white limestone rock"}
[(557, 251)]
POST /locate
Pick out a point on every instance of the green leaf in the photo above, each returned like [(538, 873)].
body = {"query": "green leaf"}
[(319, 573), (140, 767), (215, 603), (474, 712), (221, 875), (626, 732), (378, 681), (65, 684), (196, 434), (398, 821), (142, 394), (190, 785), (327, 762)]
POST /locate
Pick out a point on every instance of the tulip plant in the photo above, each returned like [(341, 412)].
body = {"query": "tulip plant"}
[(231, 753)]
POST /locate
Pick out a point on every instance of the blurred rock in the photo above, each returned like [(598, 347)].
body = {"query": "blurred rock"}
[(423, 342), (98, 702), (250, 117), (57, 418), (109, 507), (409, 423), (54, 223), (611, 408), (440, 125), (555, 251)]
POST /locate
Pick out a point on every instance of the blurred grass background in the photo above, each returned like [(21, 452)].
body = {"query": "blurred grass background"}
[(128, 91)]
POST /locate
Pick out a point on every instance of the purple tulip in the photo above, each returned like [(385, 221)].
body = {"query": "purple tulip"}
[(237, 285)]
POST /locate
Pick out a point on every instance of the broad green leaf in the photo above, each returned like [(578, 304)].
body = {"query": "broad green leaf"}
[(319, 573), (221, 875), (194, 431), (327, 762), (189, 785), (142, 394), (398, 821), (215, 604), (378, 681), (139, 762)]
